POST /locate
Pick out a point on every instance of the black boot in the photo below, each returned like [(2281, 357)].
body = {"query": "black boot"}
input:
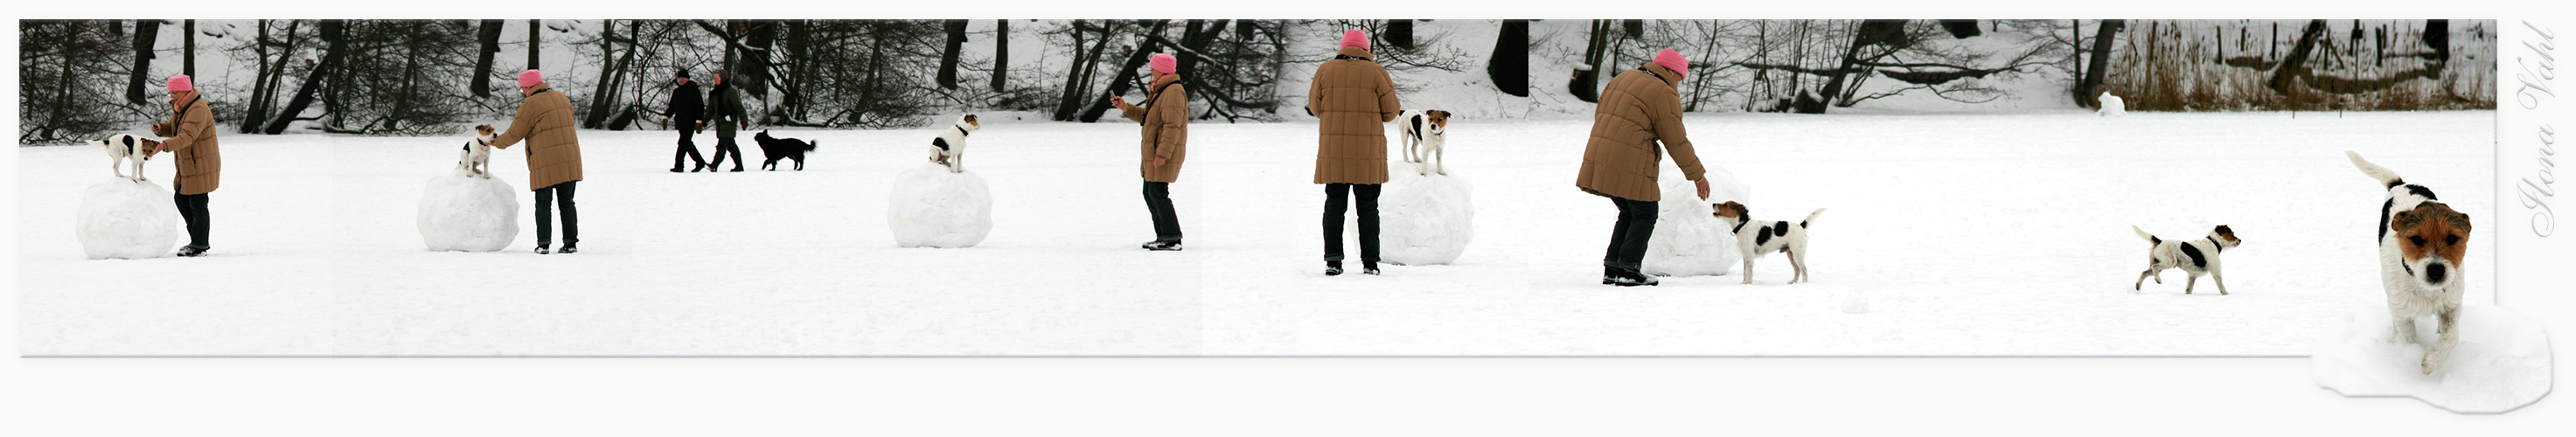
[(192, 251), (541, 249), (1163, 245), (1609, 275), (1368, 268), (1332, 268), (568, 248)]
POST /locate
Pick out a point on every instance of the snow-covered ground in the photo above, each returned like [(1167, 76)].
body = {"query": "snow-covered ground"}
[(2502, 362), (1949, 235)]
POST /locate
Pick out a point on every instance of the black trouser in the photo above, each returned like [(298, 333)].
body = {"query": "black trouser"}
[(724, 146), (192, 208), (1336, 196), (688, 145), (547, 199), (1628, 237), (1158, 200)]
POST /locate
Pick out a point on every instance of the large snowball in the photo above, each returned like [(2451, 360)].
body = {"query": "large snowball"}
[(1424, 220), (1689, 239), (2112, 106), (121, 218), (462, 212), (931, 207), (2502, 362)]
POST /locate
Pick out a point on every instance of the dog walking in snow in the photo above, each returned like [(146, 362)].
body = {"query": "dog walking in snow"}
[(2421, 243), (1425, 133), (1767, 236), (476, 160), (2194, 257), (949, 148), (123, 149), (774, 149)]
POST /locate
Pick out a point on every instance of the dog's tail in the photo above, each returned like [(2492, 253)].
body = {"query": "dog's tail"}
[(1802, 224), (2151, 238), (810, 145), (2387, 179)]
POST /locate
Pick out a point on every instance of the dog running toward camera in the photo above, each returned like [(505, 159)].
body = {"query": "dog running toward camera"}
[(2194, 257), (476, 160), (1767, 236), (2421, 243), (123, 149), (1425, 133), (949, 148), (774, 149)]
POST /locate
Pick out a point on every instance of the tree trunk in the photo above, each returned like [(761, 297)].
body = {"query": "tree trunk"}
[(601, 90), (145, 31), (759, 37), (1586, 85), (490, 35), (332, 34), (252, 116), (188, 48), (948, 57), (1001, 53), (2087, 94), (535, 43), (2296, 64), (1399, 33), (1508, 66)]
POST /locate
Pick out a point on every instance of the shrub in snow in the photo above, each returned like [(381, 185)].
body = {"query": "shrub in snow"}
[(931, 207), (2112, 106), (1424, 220), (1689, 239), (2502, 362), (122, 218), (462, 212)]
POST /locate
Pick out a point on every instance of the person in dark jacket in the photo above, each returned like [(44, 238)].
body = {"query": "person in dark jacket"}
[(724, 110), (687, 109)]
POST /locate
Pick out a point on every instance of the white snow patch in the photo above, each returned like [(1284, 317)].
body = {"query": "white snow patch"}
[(1689, 239), (1854, 303), (2112, 106), (122, 218), (1425, 220), (461, 212), (2502, 362), (931, 207)]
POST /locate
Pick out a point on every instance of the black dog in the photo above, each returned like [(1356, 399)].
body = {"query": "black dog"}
[(782, 148)]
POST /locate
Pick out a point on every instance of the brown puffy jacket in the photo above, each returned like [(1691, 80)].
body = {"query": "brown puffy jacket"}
[(1352, 99), (1166, 116), (192, 138), (554, 152), (1637, 110)]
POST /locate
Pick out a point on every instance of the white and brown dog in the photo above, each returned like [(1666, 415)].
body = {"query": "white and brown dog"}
[(1425, 133), (1766, 236), (123, 149), (2421, 243), (2194, 257), (477, 157), (949, 148)]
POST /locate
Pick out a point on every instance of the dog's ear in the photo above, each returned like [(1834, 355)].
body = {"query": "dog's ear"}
[(970, 120)]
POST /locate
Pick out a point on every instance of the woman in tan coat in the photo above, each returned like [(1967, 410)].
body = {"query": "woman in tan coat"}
[(1639, 109), (191, 136), (1166, 119), (1351, 98), (554, 156)]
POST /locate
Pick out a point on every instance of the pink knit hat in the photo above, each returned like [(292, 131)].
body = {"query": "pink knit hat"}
[(181, 83), (1355, 39), (1164, 63), (1672, 60), (530, 78)]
